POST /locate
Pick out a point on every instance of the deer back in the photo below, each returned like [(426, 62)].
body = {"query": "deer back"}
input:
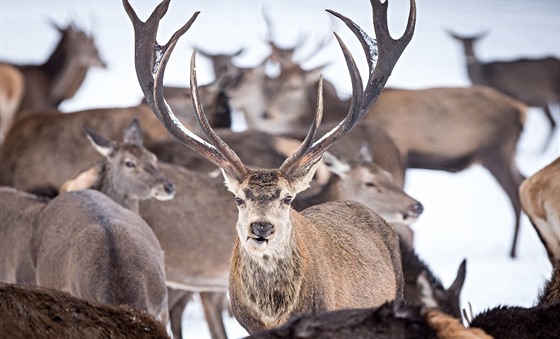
[(196, 230), (12, 87), (88, 245), (540, 199), (28, 310)]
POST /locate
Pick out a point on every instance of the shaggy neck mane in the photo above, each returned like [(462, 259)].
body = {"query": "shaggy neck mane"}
[(271, 284)]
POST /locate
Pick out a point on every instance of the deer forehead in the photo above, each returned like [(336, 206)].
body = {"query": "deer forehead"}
[(265, 185)]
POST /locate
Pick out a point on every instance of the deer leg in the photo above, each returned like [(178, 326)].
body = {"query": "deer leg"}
[(178, 300), (552, 122), (505, 171), (212, 302)]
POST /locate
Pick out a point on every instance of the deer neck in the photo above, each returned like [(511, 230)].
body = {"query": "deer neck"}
[(329, 192), (107, 186), (269, 286), (64, 75), (474, 66)]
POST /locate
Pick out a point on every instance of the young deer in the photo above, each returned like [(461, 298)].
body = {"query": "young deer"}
[(311, 261), (536, 82)]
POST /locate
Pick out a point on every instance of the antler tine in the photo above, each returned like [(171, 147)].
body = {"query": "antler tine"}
[(306, 155), (289, 166), (233, 165), (151, 60), (379, 71)]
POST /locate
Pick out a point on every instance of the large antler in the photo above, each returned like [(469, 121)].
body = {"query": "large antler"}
[(381, 61), (151, 60)]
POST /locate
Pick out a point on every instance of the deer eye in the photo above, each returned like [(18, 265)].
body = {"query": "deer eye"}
[(370, 184), (288, 200), (130, 163), (239, 201)]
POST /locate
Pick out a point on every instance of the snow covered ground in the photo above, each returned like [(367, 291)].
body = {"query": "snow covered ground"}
[(466, 215)]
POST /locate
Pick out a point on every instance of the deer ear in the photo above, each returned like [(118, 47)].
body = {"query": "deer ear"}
[(103, 145), (457, 285), (231, 183), (303, 177), (365, 153), (336, 165), (133, 134)]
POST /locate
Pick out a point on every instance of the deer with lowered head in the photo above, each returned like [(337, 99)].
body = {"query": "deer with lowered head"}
[(534, 81), (285, 262)]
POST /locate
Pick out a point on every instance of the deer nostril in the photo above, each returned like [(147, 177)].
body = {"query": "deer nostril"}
[(261, 229)]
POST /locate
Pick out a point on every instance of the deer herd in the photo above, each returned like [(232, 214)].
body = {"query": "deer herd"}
[(111, 219)]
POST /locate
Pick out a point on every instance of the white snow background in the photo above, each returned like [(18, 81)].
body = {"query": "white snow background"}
[(467, 215)]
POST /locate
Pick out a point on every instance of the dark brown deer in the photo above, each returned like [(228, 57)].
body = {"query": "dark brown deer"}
[(291, 252), (12, 87), (85, 244), (540, 321), (536, 82), (540, 199), (62, 74), (422, 287), (43, 313), (392, 320)]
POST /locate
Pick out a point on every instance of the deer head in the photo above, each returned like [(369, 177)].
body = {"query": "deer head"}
[(129, 172)]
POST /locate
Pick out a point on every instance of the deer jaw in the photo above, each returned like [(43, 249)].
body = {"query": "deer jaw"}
[(264, 224)]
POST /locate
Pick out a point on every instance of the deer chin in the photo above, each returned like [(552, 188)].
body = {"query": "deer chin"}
[(163, 196), (257, 245), (400, 218)]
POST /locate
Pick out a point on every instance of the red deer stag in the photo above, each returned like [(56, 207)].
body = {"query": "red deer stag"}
[(540, 199), (536, 82), (85, 244), (60, 77), (291, 253), (12, 87), (43, 313)]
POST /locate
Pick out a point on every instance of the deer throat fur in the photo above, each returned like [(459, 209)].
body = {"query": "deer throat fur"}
[(269, 287)]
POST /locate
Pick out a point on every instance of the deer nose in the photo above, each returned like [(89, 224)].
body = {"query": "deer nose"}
[(416, 209), (169, 188), (261, 229)]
